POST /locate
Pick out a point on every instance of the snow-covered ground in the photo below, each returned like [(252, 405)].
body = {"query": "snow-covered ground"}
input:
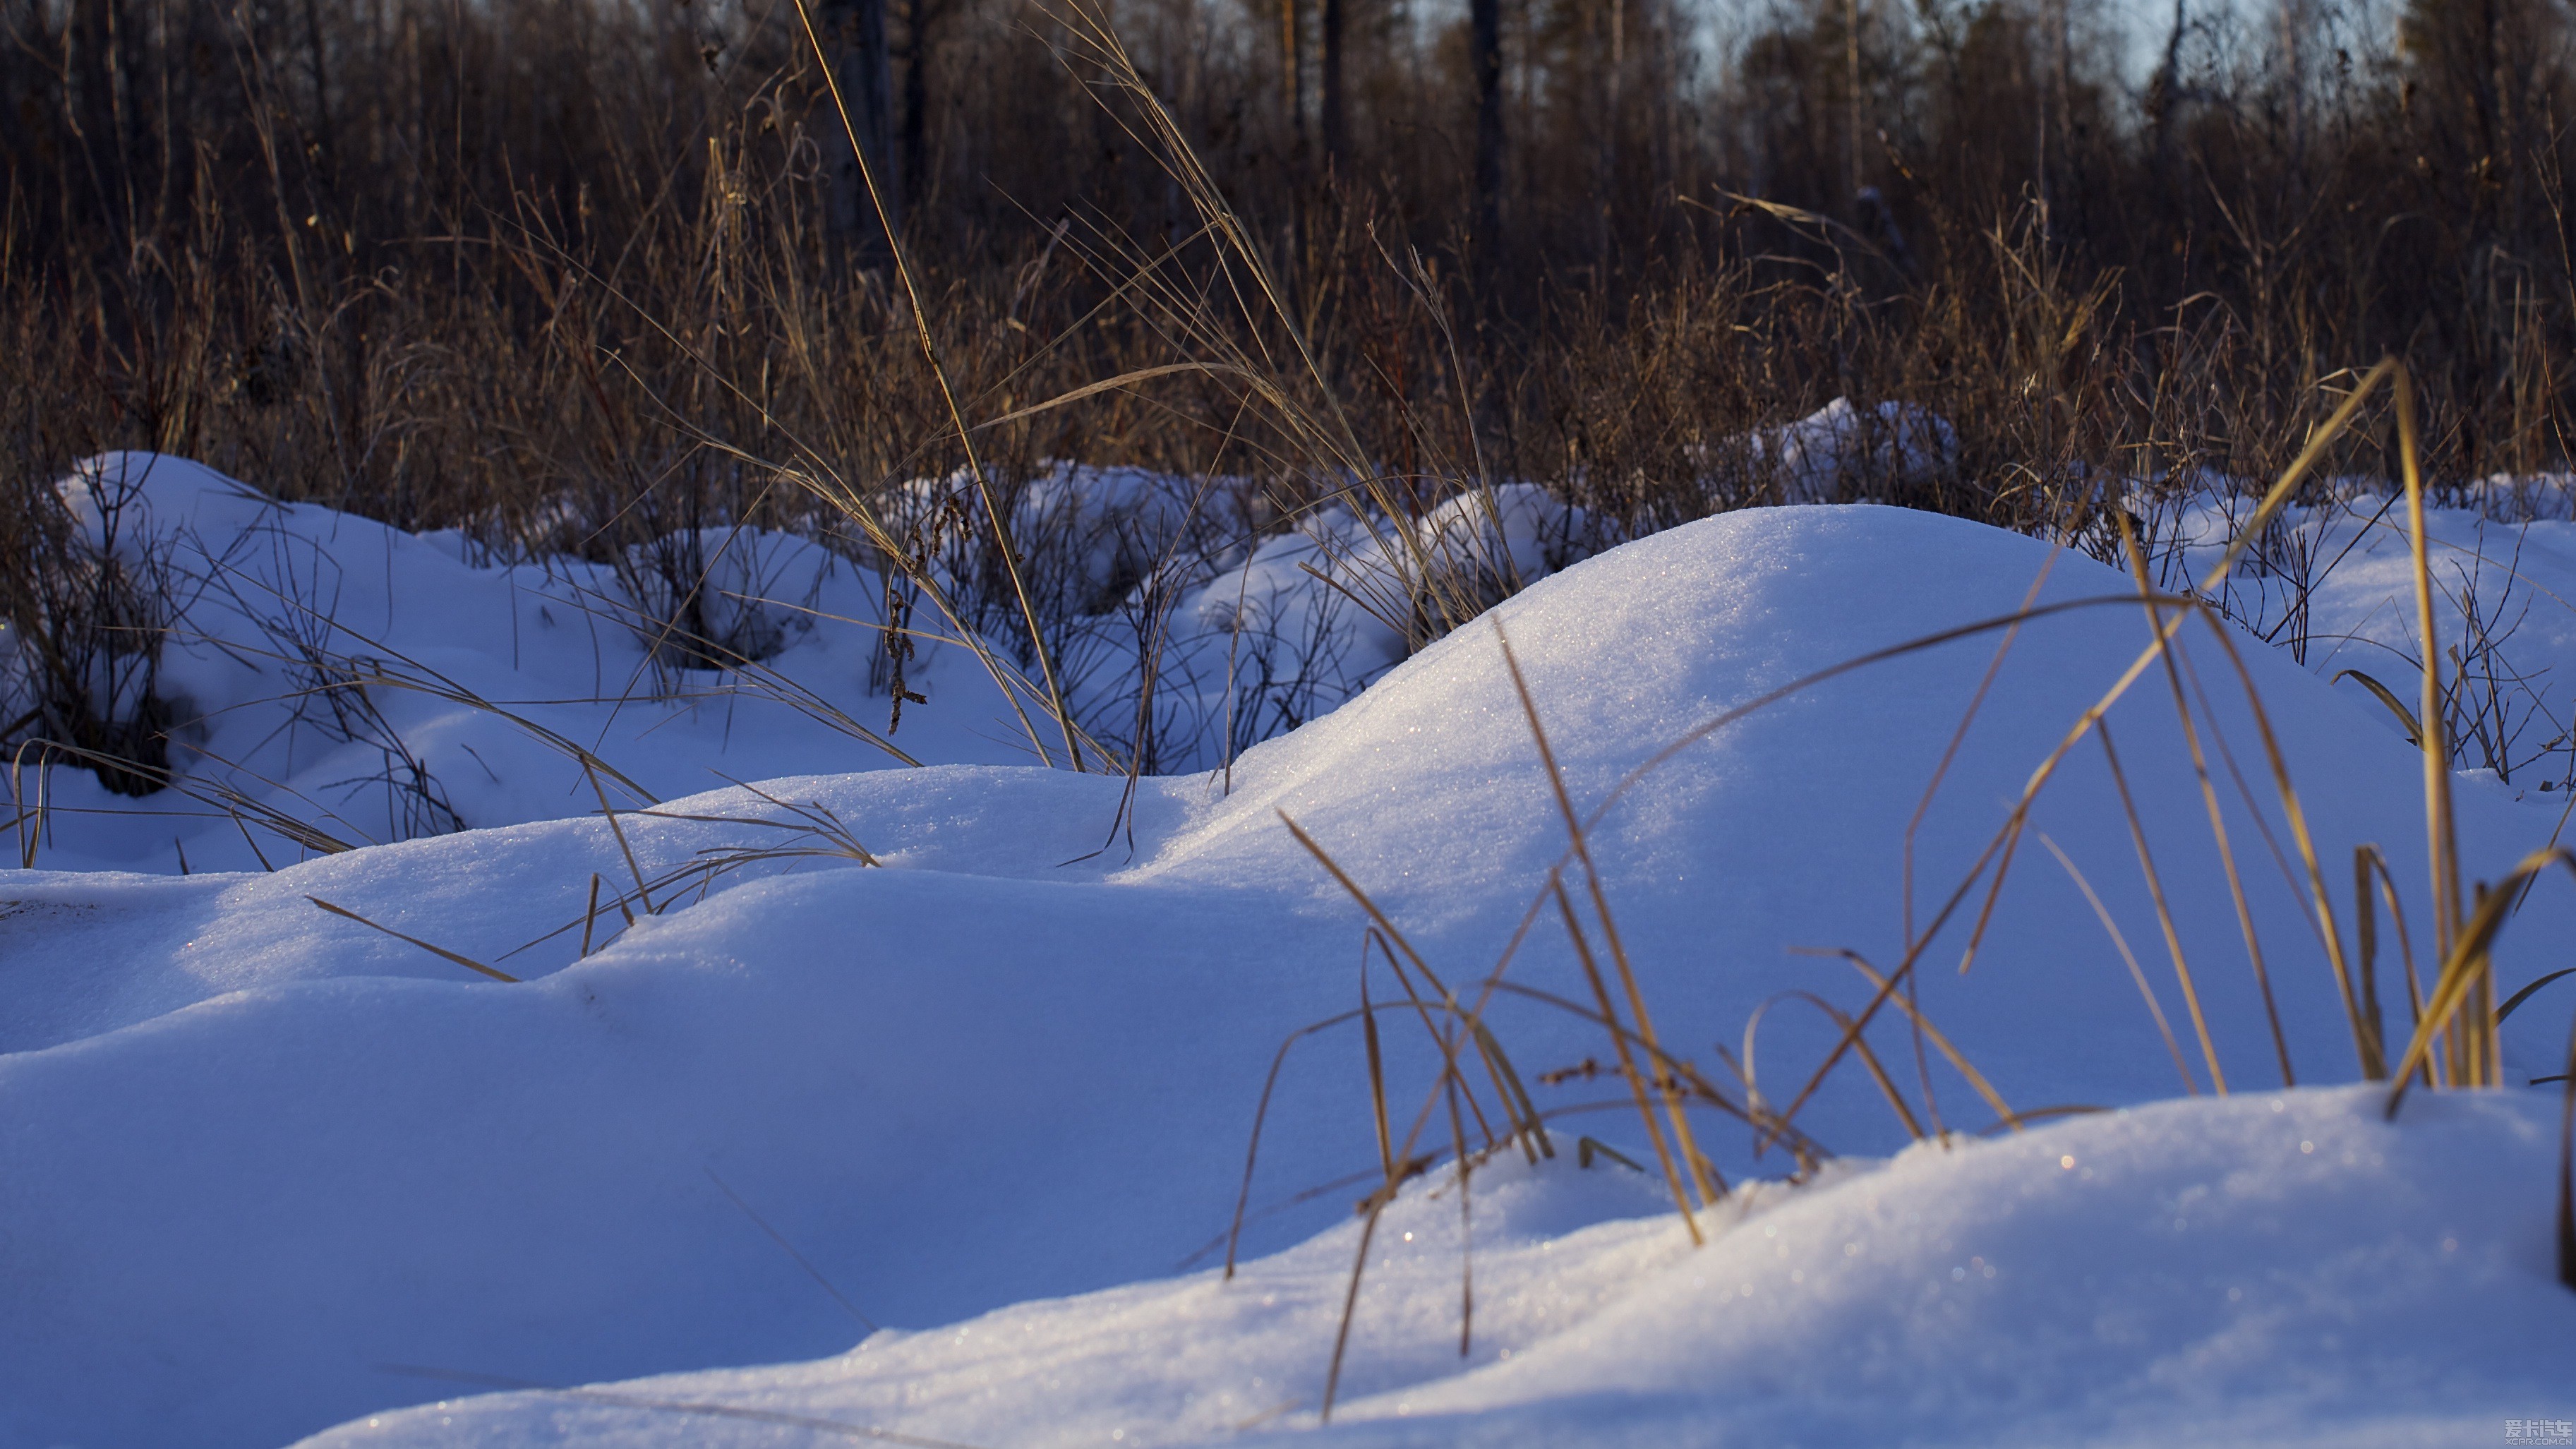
[(335, 682), (996, 1036), (2274, 1269), (2331, 584)]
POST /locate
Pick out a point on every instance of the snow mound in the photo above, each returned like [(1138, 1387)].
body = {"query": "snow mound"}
[(332, 681), (327, 681), (2278, 1268), (267, 1165), (1840, 450)]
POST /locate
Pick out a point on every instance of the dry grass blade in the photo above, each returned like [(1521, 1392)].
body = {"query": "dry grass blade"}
[(817, 479), (1959, 1063), (1532, 1130), (373, 669), (2366, 946), (1451, 1085), (2165, 649), (2317, 444), (2002, 839), (1916, 645), (812, 818), (1376, 1075), (1261, 1118), (1877, 1071), (589, 916), (1699, 1089), (1997, 853), (468, 962), (2514, 1001), (2369, 857), (712, 863), (947, 394), (1307, 409), (1466, 1226), (2427, 729), (2164, 914), (30, 821), (1135, 377), (1628, 1063), (2321, 905), (2468, 968), (1923, 808), (2387, 699), (220, 795), (1959, 738), (1695, 1163), (1391, 937), (1350, 1308), (2129, 958), (643, 895), (2441, 830), (1443, 1031), (784, 1246), (1449, 1088)]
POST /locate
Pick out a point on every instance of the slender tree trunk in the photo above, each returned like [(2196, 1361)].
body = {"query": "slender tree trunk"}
[(1485, 47), (1292, 75), (2164, 93), (856, 32), (2506, 39), (2061, 117), (1614, 104), (922, 18), (2293, 20), (1851, 90), (1336, 119)]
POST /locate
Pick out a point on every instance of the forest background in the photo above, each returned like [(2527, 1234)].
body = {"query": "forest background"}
[(570, 275)]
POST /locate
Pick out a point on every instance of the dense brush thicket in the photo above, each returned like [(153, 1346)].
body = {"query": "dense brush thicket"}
[(572, 274)]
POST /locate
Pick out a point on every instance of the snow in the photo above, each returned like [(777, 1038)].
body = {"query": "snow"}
[(2331, 583), (276, 610), (271, 1169), (496, 692), (1821, 457), (2274, 1268)]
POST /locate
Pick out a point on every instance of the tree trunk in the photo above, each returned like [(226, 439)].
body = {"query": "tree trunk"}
[(1485, 47), (922, 21), (2164, 93), (1851, 92), (855, 31), (1337, 135), (2064, 217), (1292, 76), (2293, 20)]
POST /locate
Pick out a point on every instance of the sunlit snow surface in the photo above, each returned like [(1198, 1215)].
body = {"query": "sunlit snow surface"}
[(2280, 1268), (263, 1169)]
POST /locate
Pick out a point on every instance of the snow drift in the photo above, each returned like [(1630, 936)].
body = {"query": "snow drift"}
[(2283, 1268), (269, 1169)]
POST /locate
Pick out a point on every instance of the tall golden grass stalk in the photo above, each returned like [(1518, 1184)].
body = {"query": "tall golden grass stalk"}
[(2164, 915), (993, 512), (1702, 1176)]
